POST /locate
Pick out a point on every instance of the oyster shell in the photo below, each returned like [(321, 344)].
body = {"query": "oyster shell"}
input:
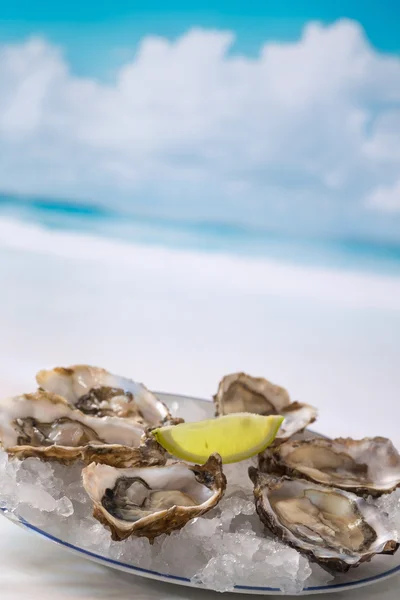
[(46, 426), (96, 392), (333, 527), (240, 392), (370, 466), (150, 501), (297, 416)]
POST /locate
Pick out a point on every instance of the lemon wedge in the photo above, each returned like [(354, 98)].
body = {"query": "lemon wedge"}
[(234, 437)]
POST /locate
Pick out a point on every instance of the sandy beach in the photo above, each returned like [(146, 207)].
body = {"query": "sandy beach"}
[(179, 321)]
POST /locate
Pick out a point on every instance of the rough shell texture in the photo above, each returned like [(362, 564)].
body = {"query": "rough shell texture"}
[(148, 453), (370, 466), (205, 482), (240, 392), (110, 439), (97, 392), (326, 549)]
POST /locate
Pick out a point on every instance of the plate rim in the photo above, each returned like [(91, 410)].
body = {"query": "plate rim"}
[(184, 581)]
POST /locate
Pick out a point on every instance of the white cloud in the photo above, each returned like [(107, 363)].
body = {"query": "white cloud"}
[(385, 199), (297, 137)]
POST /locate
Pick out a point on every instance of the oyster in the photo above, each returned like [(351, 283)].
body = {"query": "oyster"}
[(46, 426), (370, 466), (297, 416), (333, 527), (239, 392), (150, 501), (95, 391)]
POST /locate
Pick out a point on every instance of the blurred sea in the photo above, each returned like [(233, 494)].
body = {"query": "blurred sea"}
[(203, 236), (177, 305)]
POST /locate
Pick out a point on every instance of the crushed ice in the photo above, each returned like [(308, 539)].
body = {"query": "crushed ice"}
[(226, 547)]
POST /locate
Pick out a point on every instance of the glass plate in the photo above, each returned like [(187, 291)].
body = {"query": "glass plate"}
[(194, 409)]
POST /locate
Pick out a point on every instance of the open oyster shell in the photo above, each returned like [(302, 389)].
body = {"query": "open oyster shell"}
[(333, 527), (370, 466), (150, 501), (297, 416), (46, 426), (240, 392), (96, 392)]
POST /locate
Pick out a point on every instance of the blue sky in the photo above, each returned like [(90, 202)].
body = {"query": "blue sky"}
[(254, 112), (98, 36)]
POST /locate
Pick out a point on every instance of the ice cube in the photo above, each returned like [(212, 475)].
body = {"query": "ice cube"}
[(202, 527), (219, 573), (33, 470), (3, 460), (35, 496), (64, 507), (180, 551), (227, 546), (33, 516), (76, 492)]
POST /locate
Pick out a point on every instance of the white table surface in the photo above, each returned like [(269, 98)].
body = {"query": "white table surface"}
[(35, 569)]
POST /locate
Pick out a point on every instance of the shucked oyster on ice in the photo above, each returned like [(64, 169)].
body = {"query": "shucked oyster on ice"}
[(97, 392), (46, 426), (370, 466), (240, 392), (331, 526), (150, 501)]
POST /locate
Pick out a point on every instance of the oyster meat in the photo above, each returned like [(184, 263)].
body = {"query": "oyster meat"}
[(96, 392), (370, 466), (46, 426), (240, 392), (333, 527), (150, 501)]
